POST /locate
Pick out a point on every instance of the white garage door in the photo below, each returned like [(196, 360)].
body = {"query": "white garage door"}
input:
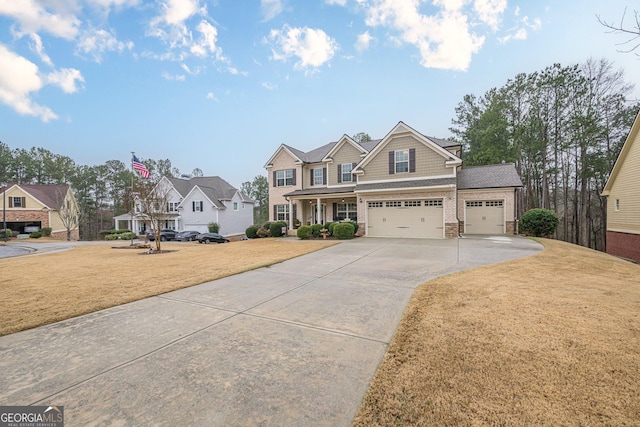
[(405, 218), (484, 217)]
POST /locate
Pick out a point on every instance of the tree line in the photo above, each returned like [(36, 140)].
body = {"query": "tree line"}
[(563, 127)]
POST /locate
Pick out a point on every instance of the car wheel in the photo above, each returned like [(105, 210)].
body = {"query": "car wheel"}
[(207, 241), (163, 239)]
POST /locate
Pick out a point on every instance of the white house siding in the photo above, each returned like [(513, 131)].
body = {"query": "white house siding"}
[(235, 222), (198, 221)]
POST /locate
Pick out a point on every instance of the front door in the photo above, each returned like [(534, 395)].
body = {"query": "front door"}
[(322, 220)]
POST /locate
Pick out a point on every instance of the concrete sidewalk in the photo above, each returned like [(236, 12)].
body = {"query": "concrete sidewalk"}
[(295, 344)]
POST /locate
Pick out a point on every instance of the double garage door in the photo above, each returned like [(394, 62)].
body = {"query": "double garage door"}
[(405, 218), (484, 217)]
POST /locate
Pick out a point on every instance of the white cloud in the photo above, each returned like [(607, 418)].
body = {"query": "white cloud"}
[(178, 11), (236, 72), (211, 96), (177, 77), (96, 42), (271, 8), (443, 39), (520, 31), (312, 47), (33, 17), (39, 49), (338, 2), (269, 86), (207, 42), (490, 11), (363, 41), (66, 78), (18, 79)]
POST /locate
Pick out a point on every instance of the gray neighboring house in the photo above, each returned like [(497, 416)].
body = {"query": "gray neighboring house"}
[(403, 185), (193, 203)]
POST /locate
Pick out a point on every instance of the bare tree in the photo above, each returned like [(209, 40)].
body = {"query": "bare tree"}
[(69, 214), (632, 32), (152, 199)]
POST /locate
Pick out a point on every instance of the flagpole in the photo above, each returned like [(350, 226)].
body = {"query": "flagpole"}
[(132, 199)]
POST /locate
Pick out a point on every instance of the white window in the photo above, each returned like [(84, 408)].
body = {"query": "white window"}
[(494, 203), (346, 210), (437, 203), (474, 204), (375, 204), (617, 204), (284, 177), (318, 176), (172, 206), (402, 161), (18, 202), (197, 206), (345, 172), (282, 212), (412, 203), (235, 206), (395, 204)]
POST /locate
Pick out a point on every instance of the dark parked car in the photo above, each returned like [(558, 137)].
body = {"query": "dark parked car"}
[(211, 237), (165, 234), (187, 236)]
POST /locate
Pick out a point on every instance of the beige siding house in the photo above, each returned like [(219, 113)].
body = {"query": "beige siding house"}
[(403, 185), (623, 199), (30, 207)]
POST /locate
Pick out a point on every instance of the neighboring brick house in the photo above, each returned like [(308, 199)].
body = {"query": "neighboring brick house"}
[(623, 199), (30, 207), (193, 203), (403, 185)]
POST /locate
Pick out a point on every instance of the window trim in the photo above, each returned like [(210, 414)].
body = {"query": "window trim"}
[(284, 178), (282, 213), (350, 210), (617, 205), (346, 174), (318, 175), (396, 162), (199, 204)]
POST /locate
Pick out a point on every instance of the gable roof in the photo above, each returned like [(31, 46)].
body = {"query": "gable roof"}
[(491, 176), (346, 139), (214, 187), (626, 148), (51, 196)]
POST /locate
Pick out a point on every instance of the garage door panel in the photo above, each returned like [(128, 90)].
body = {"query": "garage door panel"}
[(405, 219), (484, 217)]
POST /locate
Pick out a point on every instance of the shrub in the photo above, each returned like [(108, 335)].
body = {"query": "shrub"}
[(266, 225), (214, 227), (315, 229), (251, 231), (276, 228), (330, 227), (263, 232), (46, 231), (128, 235), (304, 231), (539, 222), (344, 230), (355, 227), (35, 234), (296, 223), (5, 234), (114, 236)]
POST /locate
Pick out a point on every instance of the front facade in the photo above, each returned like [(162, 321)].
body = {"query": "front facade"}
[(30, 207), (404, 185), (623, 199), (193, 203)]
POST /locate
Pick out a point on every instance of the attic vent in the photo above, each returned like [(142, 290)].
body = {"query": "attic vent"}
[(185, 175)]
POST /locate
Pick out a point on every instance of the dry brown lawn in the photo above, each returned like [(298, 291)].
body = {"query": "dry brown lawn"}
[(548, 340), (42, 289)]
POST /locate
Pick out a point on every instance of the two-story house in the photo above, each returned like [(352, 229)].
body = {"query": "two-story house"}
[(403, 185), (193, 203)]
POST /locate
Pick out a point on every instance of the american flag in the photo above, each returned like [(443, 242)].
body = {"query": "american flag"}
[(141, 168)]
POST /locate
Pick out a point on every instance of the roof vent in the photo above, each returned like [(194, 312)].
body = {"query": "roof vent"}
[(185, 175)]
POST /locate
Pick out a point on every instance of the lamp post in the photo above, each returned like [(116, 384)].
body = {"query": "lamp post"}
[(4, 210)]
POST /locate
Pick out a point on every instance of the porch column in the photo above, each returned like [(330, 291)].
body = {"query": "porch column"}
[(318, 210), (290, 215)]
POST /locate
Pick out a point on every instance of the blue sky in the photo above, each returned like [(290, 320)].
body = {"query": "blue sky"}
[(219, 85)]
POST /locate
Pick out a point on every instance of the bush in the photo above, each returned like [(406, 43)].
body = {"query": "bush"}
[(46, 231), (304, 231), (5, 234), (214, 227), (344, 230), (252, 231), (263, 232), (539, 222), (35, 235), (127, 235), (266, 225), (315, 229), (276, 228), (355, 227), (331, 226), (114, 236), (328, 226)]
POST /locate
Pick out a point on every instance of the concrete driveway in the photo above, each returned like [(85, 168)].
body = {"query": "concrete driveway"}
[(294, 344)]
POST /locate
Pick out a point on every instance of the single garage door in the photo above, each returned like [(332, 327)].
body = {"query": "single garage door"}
[(405, 218), (484, 217)]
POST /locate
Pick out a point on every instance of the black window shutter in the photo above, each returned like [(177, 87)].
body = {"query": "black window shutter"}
[(335, 211), (10, 202), (193, 206), (275, 181), (311, 177), (324, 176), (24, 202), (339, 174), (293, 173), (412, 160), (275, 212), (201, 206), (295, 210), (392, 161)]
